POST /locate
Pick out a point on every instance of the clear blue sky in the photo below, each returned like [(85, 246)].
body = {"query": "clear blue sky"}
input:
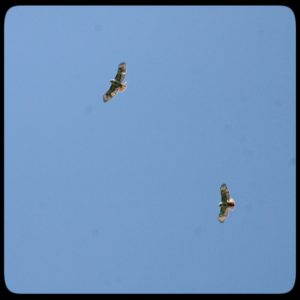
[(122, 197)]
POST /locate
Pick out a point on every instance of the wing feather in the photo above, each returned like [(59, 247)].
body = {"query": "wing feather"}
[(225, 196), (113, 90), (223, 213), (121, 72)]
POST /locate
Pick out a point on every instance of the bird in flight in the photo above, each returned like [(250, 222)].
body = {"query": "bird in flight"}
[(227, 203), (118, 85)]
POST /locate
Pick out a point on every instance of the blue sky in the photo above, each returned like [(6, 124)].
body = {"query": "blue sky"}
[(122, 197)]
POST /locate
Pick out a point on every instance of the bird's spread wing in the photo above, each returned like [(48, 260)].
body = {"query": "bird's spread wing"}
[(118, 85), (113, 90), (225, 196), (121, 72), (223, 213)]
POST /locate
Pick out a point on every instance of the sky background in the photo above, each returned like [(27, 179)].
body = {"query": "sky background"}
[(122, 197)]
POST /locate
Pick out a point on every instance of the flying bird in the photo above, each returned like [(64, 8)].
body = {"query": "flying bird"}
[(227, 203), (118, 85)]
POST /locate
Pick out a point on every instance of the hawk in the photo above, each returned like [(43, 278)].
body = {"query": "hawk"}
[(118, 85), (226, 203)]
